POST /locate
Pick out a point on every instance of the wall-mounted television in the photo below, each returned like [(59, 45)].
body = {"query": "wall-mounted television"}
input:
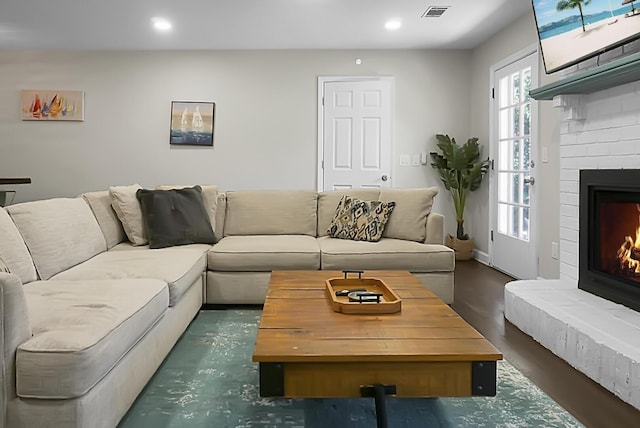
[(571, 31)]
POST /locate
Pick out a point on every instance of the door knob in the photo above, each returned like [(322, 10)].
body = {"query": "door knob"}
[(530, 181), (384, 177)]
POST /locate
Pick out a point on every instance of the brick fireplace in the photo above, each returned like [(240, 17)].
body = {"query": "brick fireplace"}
[(599, 131)]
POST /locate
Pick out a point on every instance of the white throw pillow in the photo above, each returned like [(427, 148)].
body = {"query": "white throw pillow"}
[(128, 210)]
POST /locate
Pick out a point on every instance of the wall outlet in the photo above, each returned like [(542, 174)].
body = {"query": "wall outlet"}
[(554, 250)]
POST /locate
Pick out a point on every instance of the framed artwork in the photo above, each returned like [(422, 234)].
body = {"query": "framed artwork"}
[(192, 123), (51, 105)]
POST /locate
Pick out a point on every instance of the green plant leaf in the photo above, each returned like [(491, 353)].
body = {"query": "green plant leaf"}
[(461, 171)]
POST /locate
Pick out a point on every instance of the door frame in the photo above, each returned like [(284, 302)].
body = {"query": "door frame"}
[(493, 147), (326, 79)]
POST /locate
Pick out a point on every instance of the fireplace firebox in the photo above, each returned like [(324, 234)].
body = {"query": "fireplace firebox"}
[(609, 255)]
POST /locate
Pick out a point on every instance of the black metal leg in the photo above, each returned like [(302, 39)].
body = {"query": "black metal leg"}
[(381, 407), (379, 392)]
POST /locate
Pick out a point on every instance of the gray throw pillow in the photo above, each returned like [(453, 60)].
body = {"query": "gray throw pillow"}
[(175, 217)]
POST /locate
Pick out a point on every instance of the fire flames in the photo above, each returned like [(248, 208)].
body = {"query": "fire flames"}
[(629, 251)]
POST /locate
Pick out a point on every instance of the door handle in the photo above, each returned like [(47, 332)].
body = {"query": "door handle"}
[(384, 177), (530, 181)]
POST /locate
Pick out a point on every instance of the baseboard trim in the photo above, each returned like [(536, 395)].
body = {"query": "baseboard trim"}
[(481, 256)]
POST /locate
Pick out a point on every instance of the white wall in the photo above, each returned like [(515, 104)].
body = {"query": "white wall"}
[(518, 36), (265, 125)]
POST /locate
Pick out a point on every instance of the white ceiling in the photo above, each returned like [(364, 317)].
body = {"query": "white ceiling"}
[(251, 24)]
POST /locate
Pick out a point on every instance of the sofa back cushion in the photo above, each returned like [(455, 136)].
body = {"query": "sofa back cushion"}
[(271, 212), (100, 204), (59, 233), (328, 203), (13, 250), (409, 218)]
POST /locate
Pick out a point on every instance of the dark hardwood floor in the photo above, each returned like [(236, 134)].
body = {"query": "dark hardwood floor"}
[(479, 299)]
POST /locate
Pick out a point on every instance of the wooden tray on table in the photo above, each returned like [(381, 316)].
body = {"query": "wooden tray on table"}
[(362, 295)]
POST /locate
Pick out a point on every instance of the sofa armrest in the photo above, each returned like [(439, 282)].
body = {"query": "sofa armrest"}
[(435, 229), (15, 329)]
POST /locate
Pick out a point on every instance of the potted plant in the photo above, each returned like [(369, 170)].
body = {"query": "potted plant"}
[(461, 170)]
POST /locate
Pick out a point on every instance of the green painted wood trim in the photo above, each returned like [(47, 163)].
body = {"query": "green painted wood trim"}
[(615, 73)]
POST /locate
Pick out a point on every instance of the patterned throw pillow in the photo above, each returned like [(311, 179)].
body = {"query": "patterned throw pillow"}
[(360, 220)]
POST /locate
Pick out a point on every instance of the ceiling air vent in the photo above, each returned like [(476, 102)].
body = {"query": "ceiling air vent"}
[(435, 11)]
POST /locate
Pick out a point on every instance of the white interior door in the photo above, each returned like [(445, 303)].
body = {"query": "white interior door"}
[(513, 189), (356, 148)]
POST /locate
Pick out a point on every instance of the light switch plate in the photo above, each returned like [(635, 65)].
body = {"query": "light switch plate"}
[(405, 160)]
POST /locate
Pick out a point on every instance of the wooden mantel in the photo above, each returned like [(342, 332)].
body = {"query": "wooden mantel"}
[(15, 181), (616, 73)]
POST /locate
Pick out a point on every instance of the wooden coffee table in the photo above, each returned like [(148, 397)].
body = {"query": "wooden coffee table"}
[(306, 350)]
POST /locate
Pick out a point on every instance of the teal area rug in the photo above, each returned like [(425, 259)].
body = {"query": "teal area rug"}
[(208, 380)]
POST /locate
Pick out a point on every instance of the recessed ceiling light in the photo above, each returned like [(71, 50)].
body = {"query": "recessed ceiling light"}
[(161, 24), (393, 24)]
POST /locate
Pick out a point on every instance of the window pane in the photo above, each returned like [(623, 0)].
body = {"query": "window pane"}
[(503, 218), (526, 117), (516, 88), (515, 156), (514, 182), (514, 222), (526, 154), (503, 186), (503, 132), (525, 224), (525, 193), (527, 83), (515, 130), (504, 92), (509, 187)]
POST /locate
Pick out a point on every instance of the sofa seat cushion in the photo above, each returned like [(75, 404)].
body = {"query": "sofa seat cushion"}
[(81, 329), (261, 253), (386, 254), (179, 267)]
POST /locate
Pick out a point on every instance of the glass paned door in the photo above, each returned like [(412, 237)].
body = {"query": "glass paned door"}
[(514, 154), (513, 138)]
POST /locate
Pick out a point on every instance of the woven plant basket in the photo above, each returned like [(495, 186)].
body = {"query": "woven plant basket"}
[(462, 247)]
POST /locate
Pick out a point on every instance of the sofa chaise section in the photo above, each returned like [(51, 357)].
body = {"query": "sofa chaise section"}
[(96, 324), (81, 329)]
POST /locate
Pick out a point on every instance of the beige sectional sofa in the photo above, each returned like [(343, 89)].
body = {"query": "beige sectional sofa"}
[(87, 317)]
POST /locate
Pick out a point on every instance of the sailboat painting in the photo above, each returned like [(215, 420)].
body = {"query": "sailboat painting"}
[(51, 105), (192, 123)]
